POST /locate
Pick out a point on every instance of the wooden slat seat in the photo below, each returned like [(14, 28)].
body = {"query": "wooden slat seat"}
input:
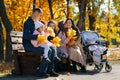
[(24, 63)]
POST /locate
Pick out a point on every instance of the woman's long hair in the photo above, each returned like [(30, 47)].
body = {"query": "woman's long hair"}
[(73, 27), (61, 26)]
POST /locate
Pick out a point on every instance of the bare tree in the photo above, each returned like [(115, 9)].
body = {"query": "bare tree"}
[(8, 27)]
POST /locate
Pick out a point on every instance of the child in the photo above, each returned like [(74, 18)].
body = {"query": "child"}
[(62, 50), (41, 29)]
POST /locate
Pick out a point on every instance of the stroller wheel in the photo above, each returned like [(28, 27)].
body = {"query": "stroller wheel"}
[(108, 68), (98, 68)]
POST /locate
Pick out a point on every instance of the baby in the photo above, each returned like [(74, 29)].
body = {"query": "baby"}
[(41, 29)]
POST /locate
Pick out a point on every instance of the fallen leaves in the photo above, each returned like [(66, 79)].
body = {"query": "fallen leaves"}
[(68, 74)]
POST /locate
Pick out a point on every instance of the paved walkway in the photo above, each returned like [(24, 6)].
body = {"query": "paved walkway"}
[(90, 75)]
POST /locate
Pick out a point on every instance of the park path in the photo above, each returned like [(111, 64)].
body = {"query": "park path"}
[(90, 75)]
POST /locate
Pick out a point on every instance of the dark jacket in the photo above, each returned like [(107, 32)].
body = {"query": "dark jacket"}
[(28, 30)]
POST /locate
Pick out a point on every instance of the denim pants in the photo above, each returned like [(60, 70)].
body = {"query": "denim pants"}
[(45, 65)]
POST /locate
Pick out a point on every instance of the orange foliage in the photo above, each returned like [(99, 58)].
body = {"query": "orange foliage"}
[(41, 39), (56, 41), (51, 32), (71, 33), (19, 10)]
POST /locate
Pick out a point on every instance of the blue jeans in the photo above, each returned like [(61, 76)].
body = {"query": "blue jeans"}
[(45, 65)]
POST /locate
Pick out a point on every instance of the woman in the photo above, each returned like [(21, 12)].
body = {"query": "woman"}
[(64, 65), (75, 51)]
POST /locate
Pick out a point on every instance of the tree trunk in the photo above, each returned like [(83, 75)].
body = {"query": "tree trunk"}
[(82, 13), (1, 43), (91, 20), (68, 1), (34, 2), (8, 27), (50, 8)]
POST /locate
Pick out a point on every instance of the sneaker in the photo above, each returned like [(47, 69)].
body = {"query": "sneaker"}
[(53, 74), (48, 60), (57, 59)]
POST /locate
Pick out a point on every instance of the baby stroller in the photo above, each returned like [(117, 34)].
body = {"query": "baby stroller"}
[(91, 43)]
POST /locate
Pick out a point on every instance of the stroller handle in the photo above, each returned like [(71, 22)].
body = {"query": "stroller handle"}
[(91, 45)]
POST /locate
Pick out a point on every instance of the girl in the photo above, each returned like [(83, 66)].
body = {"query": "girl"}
[(52, 24), (62, 50), (41, 30)]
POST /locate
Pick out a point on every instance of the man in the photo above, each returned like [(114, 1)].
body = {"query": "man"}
[(29, 28)]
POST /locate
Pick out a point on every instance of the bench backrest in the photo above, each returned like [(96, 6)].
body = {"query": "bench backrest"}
[(16, 38)]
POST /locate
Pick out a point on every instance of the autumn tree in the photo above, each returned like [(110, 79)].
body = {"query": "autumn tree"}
[(8, 27), (1, 43), (68, 2), (50, 8), (82, 13), (93, 10), (34, 2)]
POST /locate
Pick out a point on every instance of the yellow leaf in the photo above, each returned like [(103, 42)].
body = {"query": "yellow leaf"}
[(56, 41), (42, 39), (50, 30), (71, 33)]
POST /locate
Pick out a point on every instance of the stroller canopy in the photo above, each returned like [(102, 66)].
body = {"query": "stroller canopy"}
[(89, 37)]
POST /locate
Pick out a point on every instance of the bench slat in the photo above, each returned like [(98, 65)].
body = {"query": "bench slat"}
[(16, 34), (21, 51), (17, 47), (16, 40)]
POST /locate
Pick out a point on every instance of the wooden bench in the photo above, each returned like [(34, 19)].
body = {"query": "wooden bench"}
[(24, 63)]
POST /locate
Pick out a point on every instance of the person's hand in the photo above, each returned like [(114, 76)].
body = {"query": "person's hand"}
[(51, 32)]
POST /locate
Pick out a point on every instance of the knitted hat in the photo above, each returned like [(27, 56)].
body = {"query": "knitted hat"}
[(38, 24)]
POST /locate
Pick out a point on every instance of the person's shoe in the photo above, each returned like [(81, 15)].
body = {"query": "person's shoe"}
[(43, 75), (48, 60), (53, 74), (83, 69), (57, 59)]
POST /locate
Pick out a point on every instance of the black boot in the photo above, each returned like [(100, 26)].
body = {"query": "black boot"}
[(74, 66), (83, 68)]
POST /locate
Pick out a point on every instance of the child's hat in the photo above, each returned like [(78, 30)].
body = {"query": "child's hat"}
[(38, 24)]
